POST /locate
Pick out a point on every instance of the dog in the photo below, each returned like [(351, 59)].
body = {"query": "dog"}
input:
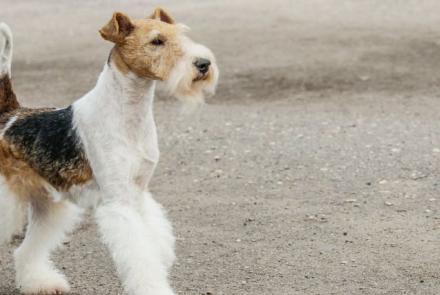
[(101, 152)]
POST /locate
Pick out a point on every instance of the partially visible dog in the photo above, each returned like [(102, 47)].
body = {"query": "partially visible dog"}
[(102, 150)]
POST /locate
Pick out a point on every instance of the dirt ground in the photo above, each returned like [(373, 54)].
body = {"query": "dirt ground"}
[(314, 170)]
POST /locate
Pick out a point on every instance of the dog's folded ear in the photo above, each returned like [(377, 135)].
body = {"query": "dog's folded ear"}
[(162, 15), (119, 27)]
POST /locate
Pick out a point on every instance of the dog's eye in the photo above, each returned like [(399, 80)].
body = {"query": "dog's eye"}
[(157, 42)]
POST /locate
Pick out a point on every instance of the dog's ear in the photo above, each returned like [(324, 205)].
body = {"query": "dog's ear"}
[(119, 27), (162, 15)]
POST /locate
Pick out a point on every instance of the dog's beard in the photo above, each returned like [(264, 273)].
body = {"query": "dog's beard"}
[(190, 87)]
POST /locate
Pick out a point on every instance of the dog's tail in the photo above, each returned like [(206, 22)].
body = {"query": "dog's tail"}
[(8, 100), (5, 49)]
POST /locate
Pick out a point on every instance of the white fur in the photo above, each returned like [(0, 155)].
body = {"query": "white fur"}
[(35, 272), (12, 213), (116, 126), (5, 49), (10, 122), (123, 151), (181, 78)]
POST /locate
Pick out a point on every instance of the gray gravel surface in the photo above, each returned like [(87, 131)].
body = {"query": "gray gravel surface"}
[(313, 171)]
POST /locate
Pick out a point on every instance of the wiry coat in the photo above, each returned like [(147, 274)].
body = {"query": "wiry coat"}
[(101, 150)]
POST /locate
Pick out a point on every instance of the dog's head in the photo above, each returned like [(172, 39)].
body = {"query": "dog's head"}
[(157, 48)]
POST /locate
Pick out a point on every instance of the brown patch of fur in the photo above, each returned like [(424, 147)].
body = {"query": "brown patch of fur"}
[(162, 15), (119, 62), (135, 50), (8, 100), (117, 28), (23, 179)]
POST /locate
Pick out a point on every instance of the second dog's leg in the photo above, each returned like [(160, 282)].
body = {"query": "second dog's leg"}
[(48, 222), (136, 252)]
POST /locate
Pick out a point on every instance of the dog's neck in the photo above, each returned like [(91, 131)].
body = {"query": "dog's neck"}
[(122, 94), (132, 90), (123, 102)]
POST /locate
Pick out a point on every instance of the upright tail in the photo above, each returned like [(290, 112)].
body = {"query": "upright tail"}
[(8, 100), (5, 49)]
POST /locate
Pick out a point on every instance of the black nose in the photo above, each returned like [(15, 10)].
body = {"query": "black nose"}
[(202, 64)]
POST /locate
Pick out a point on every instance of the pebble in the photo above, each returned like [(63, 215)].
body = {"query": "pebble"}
[(350, 200)]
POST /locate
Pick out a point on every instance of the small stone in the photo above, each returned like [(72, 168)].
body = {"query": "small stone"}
[(350, 200), (311, 217), (389, 203)]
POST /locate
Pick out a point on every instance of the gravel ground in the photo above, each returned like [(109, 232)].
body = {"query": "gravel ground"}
[(314, 170)]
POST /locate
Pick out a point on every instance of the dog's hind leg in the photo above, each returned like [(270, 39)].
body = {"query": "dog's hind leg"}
[(12, 213), (47, 225)]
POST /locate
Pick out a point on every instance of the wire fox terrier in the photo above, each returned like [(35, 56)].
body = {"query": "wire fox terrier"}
[(101, 150)]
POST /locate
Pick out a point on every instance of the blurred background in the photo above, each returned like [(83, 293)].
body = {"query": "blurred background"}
[(313, 170)]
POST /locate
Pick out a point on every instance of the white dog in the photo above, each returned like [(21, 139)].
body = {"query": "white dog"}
[(102, 150)]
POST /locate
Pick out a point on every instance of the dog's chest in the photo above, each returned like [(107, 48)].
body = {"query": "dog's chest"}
[(145, 155), (131, 148)]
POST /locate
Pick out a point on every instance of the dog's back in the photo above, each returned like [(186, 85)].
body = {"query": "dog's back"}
[(8, 100)]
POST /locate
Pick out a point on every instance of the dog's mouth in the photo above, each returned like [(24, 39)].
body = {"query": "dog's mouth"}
[(201, 77)]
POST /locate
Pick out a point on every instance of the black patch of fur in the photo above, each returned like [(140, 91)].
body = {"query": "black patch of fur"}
[(48, 142)]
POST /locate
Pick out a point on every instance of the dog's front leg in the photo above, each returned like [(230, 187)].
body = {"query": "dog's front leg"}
[(137, 255), (157, 223)]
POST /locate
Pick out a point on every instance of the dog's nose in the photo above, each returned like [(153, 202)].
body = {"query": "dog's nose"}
[(202, 64)]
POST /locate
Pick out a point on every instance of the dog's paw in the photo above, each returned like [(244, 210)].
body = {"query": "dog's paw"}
[(149, 290), (45, 284), (164, 291)]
